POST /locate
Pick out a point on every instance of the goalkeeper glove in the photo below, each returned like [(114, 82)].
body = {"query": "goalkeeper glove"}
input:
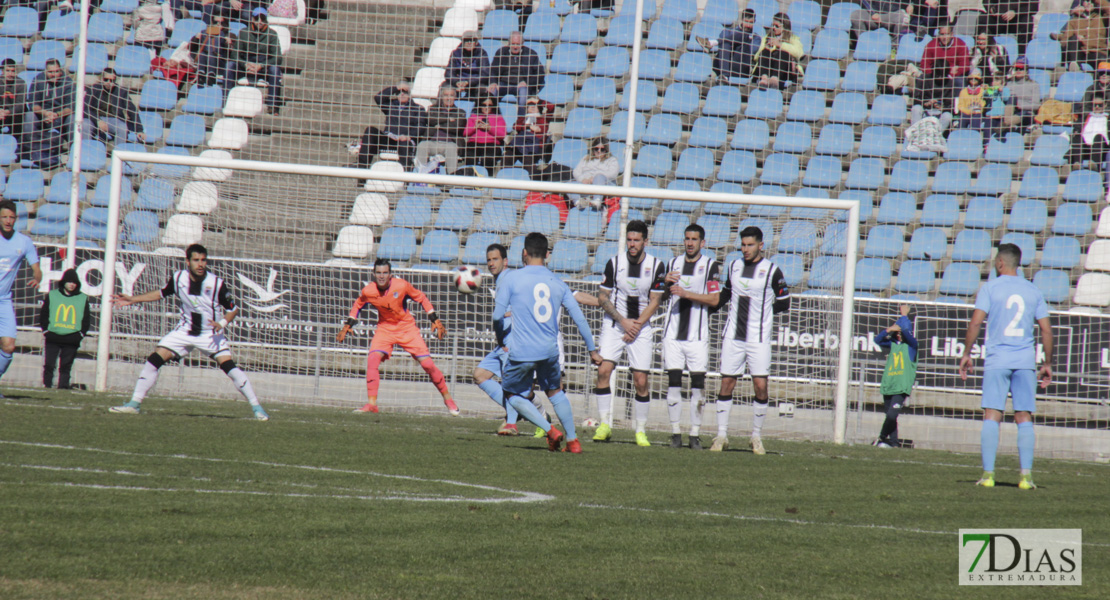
[(439, 329)]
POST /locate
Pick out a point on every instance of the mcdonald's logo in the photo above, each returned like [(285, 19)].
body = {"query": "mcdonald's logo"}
[(66, 316), (899, 362)]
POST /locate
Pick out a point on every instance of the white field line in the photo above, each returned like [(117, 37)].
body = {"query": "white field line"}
[(514, 495), (53, 406)]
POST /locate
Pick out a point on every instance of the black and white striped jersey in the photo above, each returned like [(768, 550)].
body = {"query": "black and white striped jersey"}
[(198, 300), (688, 320), (755, 292), (631, 284)]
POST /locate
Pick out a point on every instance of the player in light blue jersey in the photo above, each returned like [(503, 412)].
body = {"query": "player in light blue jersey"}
[(494, 362), (1012, 305), (14, 249), (533, 295)]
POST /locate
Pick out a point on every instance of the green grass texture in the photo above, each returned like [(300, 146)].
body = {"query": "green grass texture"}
[(194, 499)]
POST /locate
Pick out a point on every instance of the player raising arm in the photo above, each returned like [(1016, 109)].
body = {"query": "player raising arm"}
[(533, 296), (1012, 304), (396, 327), (199, 293)]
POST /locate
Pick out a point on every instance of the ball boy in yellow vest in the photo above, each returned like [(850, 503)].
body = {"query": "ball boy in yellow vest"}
[(899, 374), (65, 318)]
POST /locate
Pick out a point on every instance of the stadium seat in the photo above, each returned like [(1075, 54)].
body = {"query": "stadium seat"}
[(681, 98), (203, 197), (158, 94), (1102, 230), (911, 49), (24, 185), (455, 214), (993, 180), (669, 228), (474, 253), (105, 28), (584, 224), (964, 145), (8, 149), (972, 245), (20, 22), (1072, 219), (763, 210), (569, 256), (780, 169), (1083, 186), (543, 218), (62, 26), (866, 174), (885, 241), (805, 15), (499, 24), (11, 48), (369, 208), (663, 129), (823, 172), (439, 53), (602, 254), (1054, 284), (950, 178), (835, 241), (665, 34), (764, 104), (101, 195), (568, 152), (543, 27), (647, 96), (243, 101), (204, 100), (96, 61), (866, 204), (835, 139), (707, 28), (186, 130), (960, 279), (831, 44), (940, 210), (140, 227), (722, 101), (1039, 183), (916, 277), (682, 206), (44, 50), (708, 132), (763, 225), (873, 46), (694, 67), (682, 11), (750, 134), (186, 29), (612, 230), (1009, 150), (229, 133), (579, 28), (557, 89), (983, 213), (861, 77), (1071, 87), (807, 106), (737, 166), (791, 265), (764, 11), (878, 141), (798, 237), (611, 61), (1024, 241), (695, 163), (212, 173), (653, 161), (498, 216), (897, 208), (1043, 54), (598, 92), (821, 74), (1098, 256), (1060, 252), (849, 108), (1050, 151), (722, 12), (1050, 23), (182, 230), (793, 137), (717, 231), (873, 274), (397, 243), (51, 220), (155, 194), (354, 241), (618, 127), (60, 187), (888, 109), (93, 224), (827, 272), (622, 30), (569, 59), (839, 16), (1028, 215), (514, 174), (439, 246), (928, 243)]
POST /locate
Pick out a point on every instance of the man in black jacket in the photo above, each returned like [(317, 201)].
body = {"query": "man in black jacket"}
[(65, 319), (405, 124), (516, 69), (109, 112)]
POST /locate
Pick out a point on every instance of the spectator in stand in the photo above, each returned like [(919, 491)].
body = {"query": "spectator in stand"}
[(468, 67), (1101, 87), (149, 30), (517, 69), (1026, 94), (925, 15), (178, 69), (1009, 17), (989, 58), (485, 132), (735, 49), (405, 122), (210, 51), (892, 15), (257, 57), (778, 55), (945, 63), (596, 168), (1083, 40), (1093, 139), (971, 106), (530, 143), (51, 97), (13, 100), (446, 123), (109, 112), (931, 108), (997, 98)]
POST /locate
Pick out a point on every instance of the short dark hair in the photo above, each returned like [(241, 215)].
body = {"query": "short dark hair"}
[(378, 262), (52, 61), (637, 226), (195, 249), (535, 244), (753, 232), (107, 71), (10, 205), (7, 62), (1010, 254), (695, 228), (749, 13), (499, 248)]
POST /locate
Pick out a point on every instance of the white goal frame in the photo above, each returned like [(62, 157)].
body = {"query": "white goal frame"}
[(113, 234)]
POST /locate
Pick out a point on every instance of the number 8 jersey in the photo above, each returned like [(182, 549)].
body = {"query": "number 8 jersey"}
[(533, 295)]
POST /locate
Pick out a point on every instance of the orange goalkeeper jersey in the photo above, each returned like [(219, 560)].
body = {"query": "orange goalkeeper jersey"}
[(390, 304)]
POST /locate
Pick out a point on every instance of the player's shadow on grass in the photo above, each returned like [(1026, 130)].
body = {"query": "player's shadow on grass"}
[(997, 483)]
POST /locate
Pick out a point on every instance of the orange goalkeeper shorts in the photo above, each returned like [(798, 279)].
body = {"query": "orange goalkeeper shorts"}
[(408, 338)]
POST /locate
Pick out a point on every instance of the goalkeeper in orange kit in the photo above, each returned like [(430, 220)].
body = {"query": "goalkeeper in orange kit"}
[(396, 327)]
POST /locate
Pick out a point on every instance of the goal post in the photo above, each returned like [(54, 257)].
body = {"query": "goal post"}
[(839, 303)]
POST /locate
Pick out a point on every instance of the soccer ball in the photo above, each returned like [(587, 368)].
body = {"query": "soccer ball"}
[(589, 422), (467, 279)]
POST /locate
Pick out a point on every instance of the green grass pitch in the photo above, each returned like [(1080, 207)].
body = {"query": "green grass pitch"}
[(193, 499)]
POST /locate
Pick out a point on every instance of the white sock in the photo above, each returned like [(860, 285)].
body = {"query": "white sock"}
[(640, 411), (605, 408), (240, 378), (674, 408), (697, 403), (147, 378), (724, 407), (537, 402), (759, 411)]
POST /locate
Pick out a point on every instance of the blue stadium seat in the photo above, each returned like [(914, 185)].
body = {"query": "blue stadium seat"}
[(204, 100), (681, 99), (611, 61), (737, 166), (514, 174), (1050, 151), (897, 208), (1043, 79), (543, 218), (763, 225), (764, 104), (516, 247), (940, 210), (158, 94), (884, 241), (792, 266), (665, 34), (1054, 284), (1024, 241), (993, 180), (1009, 150), (579, 28), (584, 123), (439, 246), (499, 24), (612, 230), (647, 96), (655, 65), (823, 172), (618, 127), (8, 149), (557, 89), (722, 101), (1051, 23), (60, 187), (835, 240), (822, 75), (983, 213), (805, 15), (186, 130), (185, 30), (827, 272), (849, 108), (11, 48), (831, 44), (140, 227), (1039, 183), (888, 109), (622, 30), (683, 11), (474, 253), (807, 106), (602, 254), (951, 178), (598, 92), (861, 77), (780, 169), (694, 67), (569, 59), (648, 183), (102, 192), (569, 256), (664, 129), (396, 243), (792, 137), (873, 46), (972, 245), (878, 141), (653, 161), (1083, 186), (723, 12), (928, 243), (911, 49), (798, 237), (93, 224), (960, 279), (123, 7), (25, 185), (695, 163), (62, 27), (1043, 53), (1072, 86), (717, 230), (762, 210), (916, 277), (498, 216), (51, 220), (1060, 252), (724, 187), (965, 145), (413, 211), (866, 174), (171, 171), (839, 16), (155, 194), (543, 27), (20, 22), (835, 139), (94, 156), (568, 152), (130, 167), (456, 214), (105, 28), (95, 63), (1028, 215), (44, 50), (708, 132), (866, 203), (873, 274), (132, 61), (1073, 219), (909, 176), (584, 224), (750, 134), (669, 228)]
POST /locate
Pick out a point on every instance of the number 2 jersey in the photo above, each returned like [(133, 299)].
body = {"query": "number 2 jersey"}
[(755, 292), (198, 300), (688, 321), (1013, 306), (631, 284), (533, 295)]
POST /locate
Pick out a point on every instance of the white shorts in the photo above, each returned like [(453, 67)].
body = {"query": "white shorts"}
[(735, 355), (181, 343), (611, 346), (683, 354)]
